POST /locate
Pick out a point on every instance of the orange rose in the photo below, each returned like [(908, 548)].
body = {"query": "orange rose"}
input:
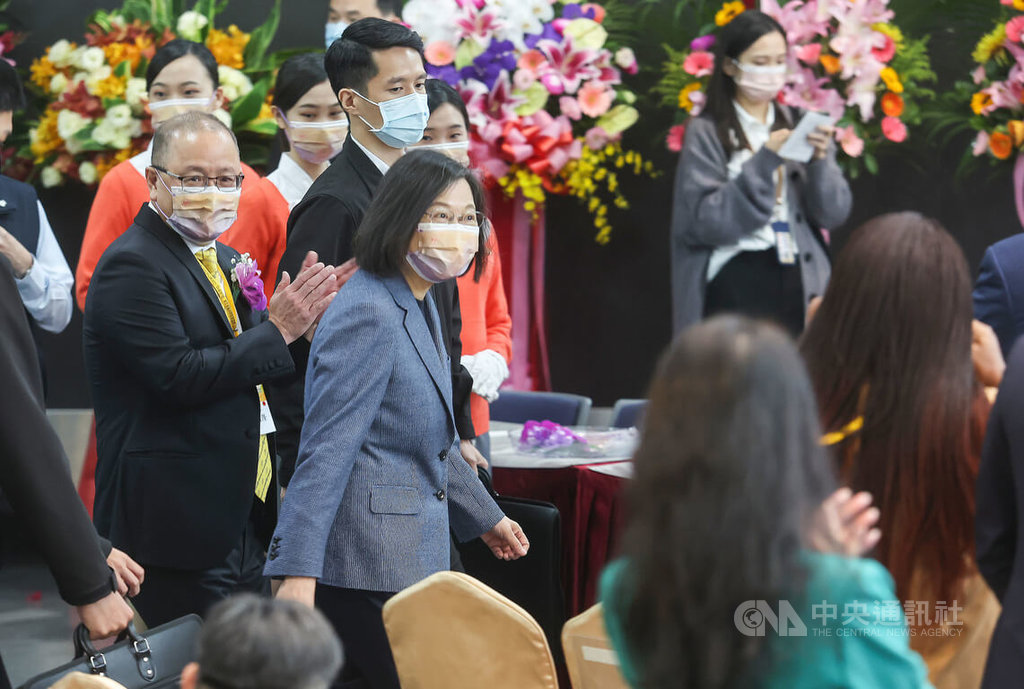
[(830, 63), (1001, 145), (892, 104)]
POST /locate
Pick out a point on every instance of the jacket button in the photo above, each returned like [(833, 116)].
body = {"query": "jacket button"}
[(808, 256), (442, 455), (439, 495), (799, 217), (273, 555)]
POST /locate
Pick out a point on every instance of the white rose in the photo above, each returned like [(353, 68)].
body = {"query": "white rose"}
[(50, 177), (135, 91), (224, 116), (96, 76), (90, 59), (70, 123), (60, 53), (59, 83), (107, 134), (120, 116), (190, 24), (87, 172), (77, 77), (235, 84)]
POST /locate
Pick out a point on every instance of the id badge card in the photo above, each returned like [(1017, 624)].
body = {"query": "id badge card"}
[(266, 419), (784, 245)]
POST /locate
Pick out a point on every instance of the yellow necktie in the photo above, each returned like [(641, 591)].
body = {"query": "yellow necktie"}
[(208, 260)]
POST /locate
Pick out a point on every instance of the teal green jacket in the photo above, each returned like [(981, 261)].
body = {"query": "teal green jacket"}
[(855, 638)]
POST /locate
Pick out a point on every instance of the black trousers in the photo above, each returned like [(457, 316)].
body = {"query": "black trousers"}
[(356, 617), (168, 594), (755, 284)]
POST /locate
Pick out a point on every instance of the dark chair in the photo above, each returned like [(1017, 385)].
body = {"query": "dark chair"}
[(627, 413), (518, 406)]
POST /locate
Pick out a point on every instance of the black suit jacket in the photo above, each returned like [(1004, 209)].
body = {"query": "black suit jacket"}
[(325, 221), (999, 520), (33, 470), (177, 414)]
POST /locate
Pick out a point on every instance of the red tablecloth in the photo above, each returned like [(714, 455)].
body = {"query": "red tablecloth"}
[(592, 511)]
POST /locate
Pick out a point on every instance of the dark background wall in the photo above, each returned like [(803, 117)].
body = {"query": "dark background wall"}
[(608, 306)]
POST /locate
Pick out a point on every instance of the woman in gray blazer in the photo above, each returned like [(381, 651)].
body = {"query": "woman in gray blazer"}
[(746, 224), (379, 471)]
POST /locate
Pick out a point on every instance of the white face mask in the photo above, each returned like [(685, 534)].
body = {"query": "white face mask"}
[(760, 83), (163, 110), (444, 251), (316, 142), (456, 150), (201, 216)]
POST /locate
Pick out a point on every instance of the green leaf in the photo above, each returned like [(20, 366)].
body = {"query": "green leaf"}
[(259, 40), (536, 98), (261, 127), (871, 163), (467, 51), (248, 107), (618, 119), (123, 69)]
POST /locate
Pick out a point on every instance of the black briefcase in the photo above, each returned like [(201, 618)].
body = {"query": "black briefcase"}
[(153, 660), (535, 581)]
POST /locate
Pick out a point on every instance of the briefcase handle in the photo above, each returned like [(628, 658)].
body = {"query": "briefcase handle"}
[(139, 648)]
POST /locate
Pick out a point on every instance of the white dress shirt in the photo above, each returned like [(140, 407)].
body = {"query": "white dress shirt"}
[(762, 238), (291, 180), (46, 289), (378, 163)]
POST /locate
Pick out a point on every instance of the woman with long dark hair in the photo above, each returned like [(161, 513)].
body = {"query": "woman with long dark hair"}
[(726, 512), (890, 354), (747, 224)]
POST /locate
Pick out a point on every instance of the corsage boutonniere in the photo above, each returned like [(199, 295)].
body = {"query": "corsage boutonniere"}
[(245, 277)]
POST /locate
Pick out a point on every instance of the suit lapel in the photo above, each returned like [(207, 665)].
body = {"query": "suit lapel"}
[(152, 222), (416, 328)]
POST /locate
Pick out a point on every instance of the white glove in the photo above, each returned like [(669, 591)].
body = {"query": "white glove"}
[(493, 372)]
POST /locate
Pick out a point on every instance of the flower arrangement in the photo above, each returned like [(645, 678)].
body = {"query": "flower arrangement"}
[(846, 59), (996, 91), (93, 94), (543, 87)]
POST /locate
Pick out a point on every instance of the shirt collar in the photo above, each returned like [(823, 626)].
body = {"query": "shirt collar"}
[(192, 246), (748, 121), (290, 179), (377, 162)]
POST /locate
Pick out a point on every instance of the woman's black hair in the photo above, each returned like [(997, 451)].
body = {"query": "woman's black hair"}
[(439, 92), (298, 74), (179, 48), (733, 40), (407, 191), (728, 476), (12, 95)]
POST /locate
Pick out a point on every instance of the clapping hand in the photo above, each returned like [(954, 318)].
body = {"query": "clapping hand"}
[(506, 540), (296, 306), (844, 524)]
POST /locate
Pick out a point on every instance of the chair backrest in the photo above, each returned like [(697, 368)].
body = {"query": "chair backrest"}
[(627, 413), (81, 680), (589, 656), (520, 406), (450, 631)]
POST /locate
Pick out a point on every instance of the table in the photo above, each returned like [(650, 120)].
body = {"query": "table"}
[(588, 495)]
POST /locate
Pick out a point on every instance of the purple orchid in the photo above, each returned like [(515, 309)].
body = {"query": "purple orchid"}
[(548, 34), (447, 73), (575, 11), (487, 66), (703, 43), (248, 275)]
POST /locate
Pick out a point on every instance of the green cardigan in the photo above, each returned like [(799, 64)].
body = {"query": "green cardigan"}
[(870, 650)]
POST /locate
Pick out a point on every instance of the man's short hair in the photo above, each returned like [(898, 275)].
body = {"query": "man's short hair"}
[(250, 642), (12, 96), (349, 61), (186, 123)]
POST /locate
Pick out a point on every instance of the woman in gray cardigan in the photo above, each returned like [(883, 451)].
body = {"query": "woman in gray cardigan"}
[(746, 224)]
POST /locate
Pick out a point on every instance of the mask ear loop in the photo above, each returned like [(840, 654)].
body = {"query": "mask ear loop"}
[(383, 117)]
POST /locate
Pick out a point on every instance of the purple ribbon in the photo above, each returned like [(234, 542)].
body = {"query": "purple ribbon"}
[(546, 435)]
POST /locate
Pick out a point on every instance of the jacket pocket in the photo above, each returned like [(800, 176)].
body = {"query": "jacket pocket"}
[(394, 500)]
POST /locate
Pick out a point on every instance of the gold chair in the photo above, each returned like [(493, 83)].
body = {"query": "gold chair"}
[(80, 680), (450, 631), (589, 655)]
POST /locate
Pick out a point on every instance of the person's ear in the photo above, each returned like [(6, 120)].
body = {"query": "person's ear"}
[(348, 98), (279, 116), (153, 183), (218, 98), (729, 67), (190, 676)]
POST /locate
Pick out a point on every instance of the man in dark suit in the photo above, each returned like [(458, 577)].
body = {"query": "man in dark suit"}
[(34, 476), (999, 290), (176, 357), (377, 71)]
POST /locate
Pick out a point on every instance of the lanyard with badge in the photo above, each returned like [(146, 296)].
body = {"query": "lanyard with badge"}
[(785, 246)]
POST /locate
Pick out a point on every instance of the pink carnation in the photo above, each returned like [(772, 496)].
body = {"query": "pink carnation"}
[(884, 52), (699, 64), (674, 140), (532, 61), (851, 144), (1015, 28), (597, 138), (893, 129), (570, 107), (981, 143), (440, 53), (809, 54), (595, 99)]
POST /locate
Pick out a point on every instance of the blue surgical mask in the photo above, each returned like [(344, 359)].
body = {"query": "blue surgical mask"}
[(333, 31), (404, 118)]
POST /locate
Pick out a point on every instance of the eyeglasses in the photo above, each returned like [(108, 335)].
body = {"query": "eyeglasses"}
[(194, 184), (446, 216)]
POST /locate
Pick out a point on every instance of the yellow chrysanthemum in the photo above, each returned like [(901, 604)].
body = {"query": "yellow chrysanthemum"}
[(980, 101), (44, 138), (892, 31), (891, 79), (684, 96), (729, 11), (111, 87), (131, 52), (42, 71), (990, 44), (228, 48), (1018, 5)]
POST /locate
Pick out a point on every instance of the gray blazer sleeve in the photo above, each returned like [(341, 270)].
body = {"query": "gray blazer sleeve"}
[(472, 511), (710, 209), (827, 197), (345, 385)]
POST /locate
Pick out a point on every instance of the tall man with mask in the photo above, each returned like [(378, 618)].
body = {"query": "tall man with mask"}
[(176, 353), (376, 69), (342, 13)]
